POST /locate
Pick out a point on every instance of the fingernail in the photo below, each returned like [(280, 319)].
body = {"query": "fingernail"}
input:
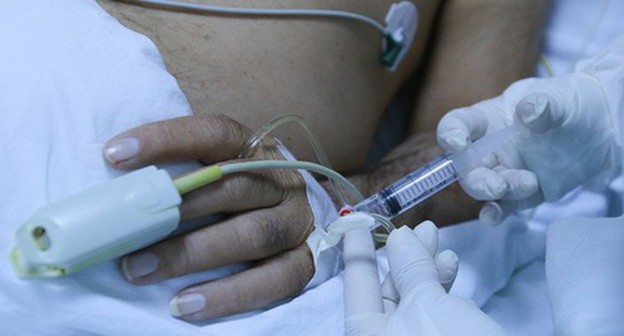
[(139, 265), (448, 273), (541, 104), (491, 214), (495, 187), (528, 182), (186, 304), (426, 230), (122, 150), (456, 139), (534, 108)]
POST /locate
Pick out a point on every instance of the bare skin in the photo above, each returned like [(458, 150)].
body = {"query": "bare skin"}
[(479, 47), (503, 39), (267, 220), (253, 70)]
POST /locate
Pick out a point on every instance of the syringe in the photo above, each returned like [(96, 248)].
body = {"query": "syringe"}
[(434, 176)]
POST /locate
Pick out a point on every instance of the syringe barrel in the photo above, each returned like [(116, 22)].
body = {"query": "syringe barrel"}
[(436, 175), (412, 189)]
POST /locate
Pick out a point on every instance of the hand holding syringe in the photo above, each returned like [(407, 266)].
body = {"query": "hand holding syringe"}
[(434, 176)]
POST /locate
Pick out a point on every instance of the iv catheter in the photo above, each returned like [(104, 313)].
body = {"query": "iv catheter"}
[(433, 177)]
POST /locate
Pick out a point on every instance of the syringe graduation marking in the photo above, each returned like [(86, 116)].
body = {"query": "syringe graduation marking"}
[(428, 182), (433, 176), (416, 186)]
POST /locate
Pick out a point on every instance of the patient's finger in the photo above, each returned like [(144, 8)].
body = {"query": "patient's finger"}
[(240, 192), (274, 279), (251, 236), (211, 138)]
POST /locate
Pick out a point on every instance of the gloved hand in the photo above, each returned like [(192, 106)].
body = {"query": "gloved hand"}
[(416, 302), (567, 139)]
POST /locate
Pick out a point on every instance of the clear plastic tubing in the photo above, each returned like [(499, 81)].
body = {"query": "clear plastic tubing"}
[(434, 176)]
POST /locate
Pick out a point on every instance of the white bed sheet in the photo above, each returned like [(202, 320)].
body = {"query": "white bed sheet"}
[(73, 77)]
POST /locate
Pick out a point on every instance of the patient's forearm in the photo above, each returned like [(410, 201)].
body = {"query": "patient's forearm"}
[(480, 48), (253, 69)]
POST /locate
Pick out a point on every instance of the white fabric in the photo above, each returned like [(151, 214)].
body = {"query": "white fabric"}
[(73, 78), (585, 271)]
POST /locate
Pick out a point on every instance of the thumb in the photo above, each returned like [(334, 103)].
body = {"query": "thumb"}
[(411, 265), (211, 138), (540, 112)]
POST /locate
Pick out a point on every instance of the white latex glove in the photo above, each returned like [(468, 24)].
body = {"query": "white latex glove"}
[(567, 139), (424, 307)]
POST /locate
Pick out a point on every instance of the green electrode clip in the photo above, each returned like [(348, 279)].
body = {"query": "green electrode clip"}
[(401, 23), (391, 51)]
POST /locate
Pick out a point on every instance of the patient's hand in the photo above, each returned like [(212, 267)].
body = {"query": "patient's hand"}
[(268, 220)]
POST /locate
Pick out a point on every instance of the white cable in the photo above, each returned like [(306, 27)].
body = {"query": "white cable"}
[(262, 12), (239, 167), (256, 138)]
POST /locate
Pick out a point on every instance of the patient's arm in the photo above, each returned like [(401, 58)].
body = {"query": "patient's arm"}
[(479, 47), (253, 69), (334, 89)]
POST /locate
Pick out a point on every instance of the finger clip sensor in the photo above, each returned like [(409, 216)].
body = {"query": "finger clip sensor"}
[(98, 224)]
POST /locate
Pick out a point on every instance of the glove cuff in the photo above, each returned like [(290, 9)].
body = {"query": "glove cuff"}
[(607, 69), (578, 101)]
